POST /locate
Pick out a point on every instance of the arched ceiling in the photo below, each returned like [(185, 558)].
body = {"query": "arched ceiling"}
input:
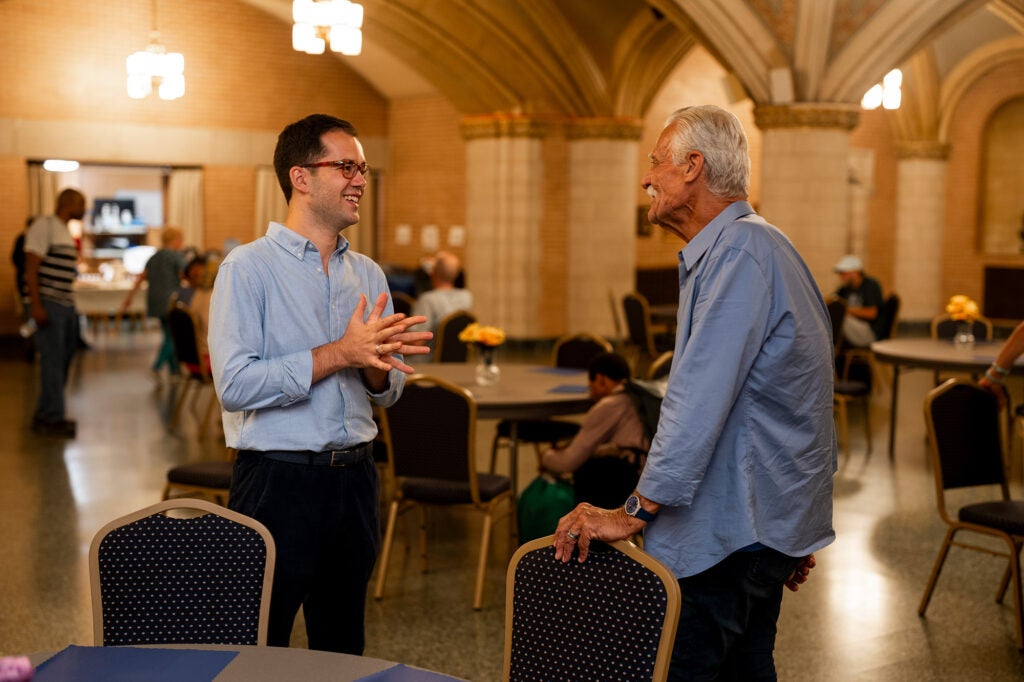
[(609, 57)]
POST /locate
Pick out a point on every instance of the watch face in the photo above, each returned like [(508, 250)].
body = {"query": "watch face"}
[(632, 505)]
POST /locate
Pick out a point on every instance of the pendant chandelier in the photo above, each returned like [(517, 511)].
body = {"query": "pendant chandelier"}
[(155, 67), (320, 21)]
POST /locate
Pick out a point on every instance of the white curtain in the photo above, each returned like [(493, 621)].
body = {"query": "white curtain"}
[(43, 188), (270, 203), (185, 204)]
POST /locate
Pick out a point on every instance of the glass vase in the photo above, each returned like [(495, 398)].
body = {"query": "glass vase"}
[(487, 371), (963, 338)]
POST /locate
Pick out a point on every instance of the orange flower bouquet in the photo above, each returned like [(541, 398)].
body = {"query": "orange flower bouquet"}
[(486, 339), (962, 309), (965, 311)]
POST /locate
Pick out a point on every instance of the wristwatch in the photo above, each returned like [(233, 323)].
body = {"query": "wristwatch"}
[(633, 508)]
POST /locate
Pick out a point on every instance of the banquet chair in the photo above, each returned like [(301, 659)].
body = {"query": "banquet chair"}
[(447, 347), (945, 327), (846, 390), (575, 351), (432, 436), (207, 478), (402, 302), (661, 366), (613, 302), (643, 341), (162, 579), (966, 436), (613, 617), (851, 356), (192, 363)]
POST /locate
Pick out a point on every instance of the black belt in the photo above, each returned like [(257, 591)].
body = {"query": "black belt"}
[(327, 458)]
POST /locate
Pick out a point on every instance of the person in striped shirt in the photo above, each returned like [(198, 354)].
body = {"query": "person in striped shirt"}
[(51, 258)]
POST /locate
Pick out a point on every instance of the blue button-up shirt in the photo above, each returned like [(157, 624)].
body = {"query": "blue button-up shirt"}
[(745, 449), (272, 304)]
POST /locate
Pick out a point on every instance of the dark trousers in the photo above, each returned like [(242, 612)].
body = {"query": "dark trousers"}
[(727, 623), (326, 526), (56, 342)]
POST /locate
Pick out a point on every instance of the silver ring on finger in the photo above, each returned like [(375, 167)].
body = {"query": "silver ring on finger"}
[(572, 537), (376, 349)]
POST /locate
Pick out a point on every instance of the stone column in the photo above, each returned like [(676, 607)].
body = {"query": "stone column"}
[(804, 189), (504, 183), (920, 216), (601, 255)]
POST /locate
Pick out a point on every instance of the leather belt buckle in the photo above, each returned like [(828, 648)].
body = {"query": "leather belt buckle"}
[(340, 458)]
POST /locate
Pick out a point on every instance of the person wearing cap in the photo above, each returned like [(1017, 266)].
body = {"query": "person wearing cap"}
[(863, 296)]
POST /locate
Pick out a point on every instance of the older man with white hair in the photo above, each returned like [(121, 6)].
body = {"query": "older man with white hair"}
[(737, 490)]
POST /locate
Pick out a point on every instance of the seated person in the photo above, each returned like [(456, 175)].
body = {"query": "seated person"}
[(444, 298), (863, 296), (194, 280), (603, 455)]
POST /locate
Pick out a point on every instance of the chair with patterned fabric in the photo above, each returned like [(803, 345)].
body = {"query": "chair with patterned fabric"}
[(192, 579), (613, 617)]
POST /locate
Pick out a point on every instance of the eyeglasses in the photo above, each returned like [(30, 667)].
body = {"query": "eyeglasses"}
[(348, 167)]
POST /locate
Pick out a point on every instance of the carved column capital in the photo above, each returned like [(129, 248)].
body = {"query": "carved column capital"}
[(604, 128), (922, 149), (501, 125), (807, 115)]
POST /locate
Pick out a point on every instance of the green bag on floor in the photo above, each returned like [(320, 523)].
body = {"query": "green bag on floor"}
[(541, 505)]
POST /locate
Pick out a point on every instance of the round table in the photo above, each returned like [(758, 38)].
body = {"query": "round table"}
[(255, 663), (933, 354)]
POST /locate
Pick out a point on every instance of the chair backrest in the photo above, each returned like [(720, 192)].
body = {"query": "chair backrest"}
[(965, 438), (613, 302), (889, 312), (447, 347), (613, 617), (945, 327), (661, 366), (638, 322), (431, 432), (836, 314), (158, 579), (183, 325), (402, 302), (577, 351)]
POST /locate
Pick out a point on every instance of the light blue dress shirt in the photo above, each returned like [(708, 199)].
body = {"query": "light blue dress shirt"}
[(745, 449), (272, 304)]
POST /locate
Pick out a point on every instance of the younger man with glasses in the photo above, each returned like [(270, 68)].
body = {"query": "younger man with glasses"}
[(302, 341)]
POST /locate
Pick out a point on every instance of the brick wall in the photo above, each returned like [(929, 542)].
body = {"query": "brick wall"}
[(229, 199), (963, 263), (425, 179), (64, 90)]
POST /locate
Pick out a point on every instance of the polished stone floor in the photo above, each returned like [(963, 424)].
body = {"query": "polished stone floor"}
[(855, 620)]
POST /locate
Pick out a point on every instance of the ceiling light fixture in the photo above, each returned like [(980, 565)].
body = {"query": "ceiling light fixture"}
[(60, 165), (317, 21), (886, 94), (155, 67)]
